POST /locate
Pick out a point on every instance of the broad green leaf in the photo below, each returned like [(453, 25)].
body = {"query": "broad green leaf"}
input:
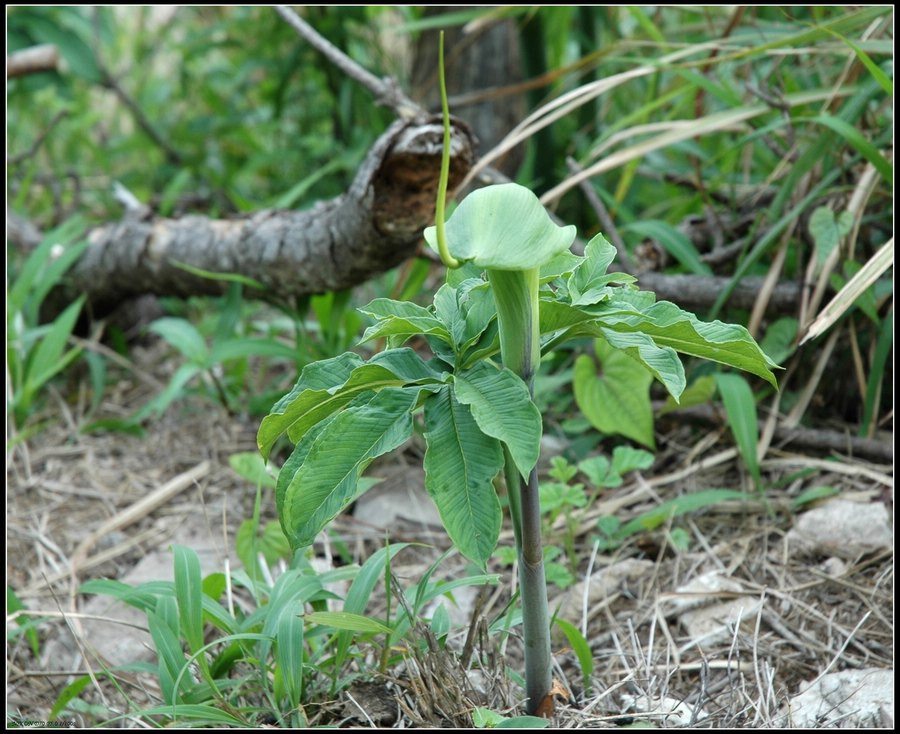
[(328, 479), (503, 227), (460, 464), (348, 621), (669, 326), (249, 542), (24, 623), (589, 283), (699, 392), (618, 399), (627, 459), (182, 335), (662, 362), (250, 466), (780, 340), (555, 495), (502, 407), (740, 407), (562, 264), (401, 317), (308, 402), (826, 231)]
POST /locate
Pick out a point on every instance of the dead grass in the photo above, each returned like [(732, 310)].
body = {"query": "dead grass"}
[(806, 615)]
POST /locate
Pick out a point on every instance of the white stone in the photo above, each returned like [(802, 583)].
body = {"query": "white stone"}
[(842, 528), (848, 699), (669, 711)]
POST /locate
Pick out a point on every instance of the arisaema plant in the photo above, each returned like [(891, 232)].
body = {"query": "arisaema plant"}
[(513, 293)]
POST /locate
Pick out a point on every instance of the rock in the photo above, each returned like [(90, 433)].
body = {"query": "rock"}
[(669, 711), (716, 623), (842, 528), (703, 613), (400, 498), (699, 591), (626, 575), (848, 699)]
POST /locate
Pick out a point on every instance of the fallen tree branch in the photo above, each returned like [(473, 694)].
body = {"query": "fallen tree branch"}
[(804, 438), (696, 292), (337, 244), (32, 60)]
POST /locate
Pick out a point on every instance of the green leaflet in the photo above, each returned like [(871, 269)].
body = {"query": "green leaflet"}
[(617, 401), (502, 407), (327, 480), (313, 398), (460, 464), (662, 362), (589, 283), (401, 319), (669, 326)]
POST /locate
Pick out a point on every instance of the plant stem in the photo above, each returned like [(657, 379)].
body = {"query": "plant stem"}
[(516, 296)]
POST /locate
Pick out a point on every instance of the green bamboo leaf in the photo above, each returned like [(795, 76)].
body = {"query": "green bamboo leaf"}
[(502, 407), (347, 621), (189, 595), (289, 655), (669, 326), (740, 407), (47, 358), (652, 519), (197, 713), (360, 590), (328, 479), (617, 400), (503, 227), (581, 648), (247, 347), (460, 464)]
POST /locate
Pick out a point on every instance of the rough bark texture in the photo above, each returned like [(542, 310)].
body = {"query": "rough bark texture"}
[(339, 243)]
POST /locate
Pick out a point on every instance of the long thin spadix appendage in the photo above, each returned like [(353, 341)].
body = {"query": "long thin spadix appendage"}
[(446, 258)]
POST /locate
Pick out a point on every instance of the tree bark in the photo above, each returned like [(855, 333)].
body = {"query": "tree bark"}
[(334, 245)]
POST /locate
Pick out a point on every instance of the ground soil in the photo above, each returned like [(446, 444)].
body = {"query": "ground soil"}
[(810, 613)]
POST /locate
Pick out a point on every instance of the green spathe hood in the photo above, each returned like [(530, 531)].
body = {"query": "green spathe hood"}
[(503, 227)]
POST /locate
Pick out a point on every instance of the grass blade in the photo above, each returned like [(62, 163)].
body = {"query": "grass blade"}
[(740, 406)]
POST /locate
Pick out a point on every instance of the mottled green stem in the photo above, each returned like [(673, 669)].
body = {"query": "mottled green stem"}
[(516, 296)]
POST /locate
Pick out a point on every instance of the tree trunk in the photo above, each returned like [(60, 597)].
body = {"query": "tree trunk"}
[(337, 244)]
